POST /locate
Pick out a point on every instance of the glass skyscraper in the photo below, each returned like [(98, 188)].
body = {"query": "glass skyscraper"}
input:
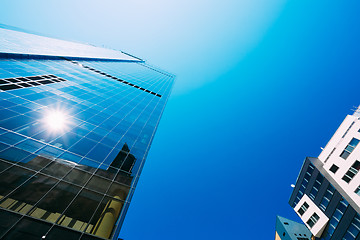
[(76, 124)]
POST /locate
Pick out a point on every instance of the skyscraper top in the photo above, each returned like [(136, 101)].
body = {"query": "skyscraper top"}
[(15, 42), (76, 124)]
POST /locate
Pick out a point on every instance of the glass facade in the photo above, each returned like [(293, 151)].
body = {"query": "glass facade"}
[(327, 197), (354, 229), (335, 219), (304, 184), (316, 186), (73, 139)]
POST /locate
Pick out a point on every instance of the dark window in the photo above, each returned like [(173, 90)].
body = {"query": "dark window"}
[(9, 87), (29, 229), (35, 78), (57, 169), (353, 170), (34, 83), (60, 233), (55, 202), (78, 177), (316, 186), (81, 209), (115, 78), (46, 81), (312, 220), (336, 217), (327, 197), (353, 229), (3, 82), (98, 184), (24, 84), (349, 148), (3, 165), (357, 191), (27, 81), (334, 168), (30, 192), (304, 184), (7, 219), (303, 208), (12, 178), (13, 80)]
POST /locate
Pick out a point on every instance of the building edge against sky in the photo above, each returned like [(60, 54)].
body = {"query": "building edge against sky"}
[(76, 124), (327, 192)]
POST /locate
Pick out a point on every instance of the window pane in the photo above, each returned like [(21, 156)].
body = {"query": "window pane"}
[(344, 154), (23, 198), (354, 142), (29, 229), (81, 209), (77, 177), (12, 178), (7, 219), (98, 184), (55, 202), (59, 233)]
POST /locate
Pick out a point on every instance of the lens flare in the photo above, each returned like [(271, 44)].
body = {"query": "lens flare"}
[(56, 120)]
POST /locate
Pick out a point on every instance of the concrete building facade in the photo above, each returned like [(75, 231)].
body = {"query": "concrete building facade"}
[(327, 192)]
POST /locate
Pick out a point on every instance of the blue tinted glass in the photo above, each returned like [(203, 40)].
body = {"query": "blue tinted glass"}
[(354, 142), (97, 116)]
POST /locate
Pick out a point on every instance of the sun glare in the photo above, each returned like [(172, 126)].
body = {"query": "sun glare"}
[(56, 120)]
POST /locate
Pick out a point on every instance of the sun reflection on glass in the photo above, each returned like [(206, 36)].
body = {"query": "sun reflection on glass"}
[(56, 120)]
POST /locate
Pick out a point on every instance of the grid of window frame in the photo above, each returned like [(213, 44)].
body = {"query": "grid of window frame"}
[(353, 170), (115, 78), (140, 114), (40, 137), (304, 184), (303, 208), (327, 197), (357, 190), (7, 84), (335, 219), (316, 186), (349, 148), (353, 229), (312, 220)]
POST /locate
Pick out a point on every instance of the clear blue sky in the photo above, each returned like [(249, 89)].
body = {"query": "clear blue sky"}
[(261, 84)]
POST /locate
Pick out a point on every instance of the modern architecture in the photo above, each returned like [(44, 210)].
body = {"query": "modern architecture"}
[(289, 230), (327, 192), (76, 124)]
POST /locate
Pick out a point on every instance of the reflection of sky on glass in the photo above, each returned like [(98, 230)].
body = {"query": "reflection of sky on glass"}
[(260, 85), (56, 120)]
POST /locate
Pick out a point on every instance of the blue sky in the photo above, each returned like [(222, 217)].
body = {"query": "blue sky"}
[(261, 84)]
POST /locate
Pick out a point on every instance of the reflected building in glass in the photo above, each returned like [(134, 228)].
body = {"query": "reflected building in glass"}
[(76, 124)]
